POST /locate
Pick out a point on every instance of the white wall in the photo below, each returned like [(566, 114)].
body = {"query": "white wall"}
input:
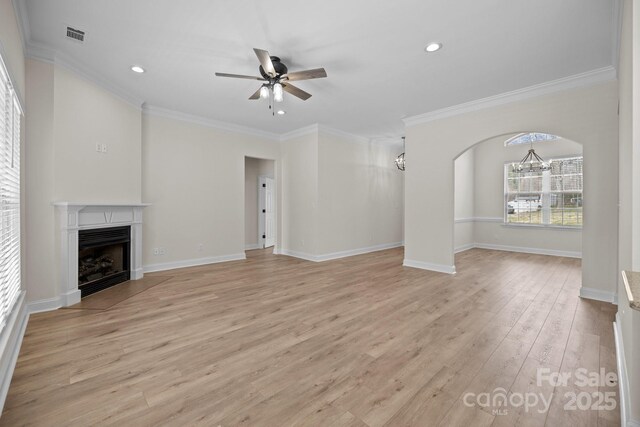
[(66, 117), (627, 319), (40, 259), (341, 194), (300, 193), (193, 177), (586, 114), (253, 170), (360, 194), (464, 200), (86, 115)]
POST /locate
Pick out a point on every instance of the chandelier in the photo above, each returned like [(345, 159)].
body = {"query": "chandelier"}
[(400, 158), (531, 163)]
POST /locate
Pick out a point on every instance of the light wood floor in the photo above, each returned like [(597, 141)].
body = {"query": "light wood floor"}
[(276, 341)]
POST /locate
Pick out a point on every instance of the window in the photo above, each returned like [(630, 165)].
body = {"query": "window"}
[(10, 115), (529, 138), (552, 197)]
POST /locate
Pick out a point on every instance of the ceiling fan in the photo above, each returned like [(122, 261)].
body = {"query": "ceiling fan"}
[(277, 78)]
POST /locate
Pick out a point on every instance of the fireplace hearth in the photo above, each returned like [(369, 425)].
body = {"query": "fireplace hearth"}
[(103, 258)]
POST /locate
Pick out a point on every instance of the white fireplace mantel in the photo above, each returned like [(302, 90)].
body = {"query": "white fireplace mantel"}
[(73, 217)]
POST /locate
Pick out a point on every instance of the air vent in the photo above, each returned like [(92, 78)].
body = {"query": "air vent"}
[(74, 34)]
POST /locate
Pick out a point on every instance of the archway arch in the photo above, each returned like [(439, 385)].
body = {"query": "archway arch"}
[(536, 212), (433, 143)]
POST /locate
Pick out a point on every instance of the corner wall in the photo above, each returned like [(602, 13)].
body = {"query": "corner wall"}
[(342, 195), (299, 199), (67, 117), (628, 319), (193, 177), (464, 201), (585, 114), (360, 195)]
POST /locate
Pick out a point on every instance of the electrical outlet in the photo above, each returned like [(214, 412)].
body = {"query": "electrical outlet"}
[(156, 251), (162, 251), (104, 148), (99, 148)]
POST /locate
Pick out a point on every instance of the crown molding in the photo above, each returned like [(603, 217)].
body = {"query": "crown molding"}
[(206, 122), (20, 9), (42, 53), (387, 141), (318, 128), (342, 134), (307, 130), (588, 78)]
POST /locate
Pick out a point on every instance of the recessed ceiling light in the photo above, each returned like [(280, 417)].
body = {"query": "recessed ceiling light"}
[(432, 47), (281, 112), (137, 69)]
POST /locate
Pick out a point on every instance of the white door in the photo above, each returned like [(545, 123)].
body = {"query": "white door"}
[(267, 212)]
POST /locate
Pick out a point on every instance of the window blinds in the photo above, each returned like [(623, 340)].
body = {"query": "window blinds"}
[(10, 115)]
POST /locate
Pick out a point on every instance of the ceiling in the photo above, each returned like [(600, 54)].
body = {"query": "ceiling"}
[(378, 71)]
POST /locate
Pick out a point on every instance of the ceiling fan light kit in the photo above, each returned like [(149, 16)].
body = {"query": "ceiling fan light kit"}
[(264, 92), (277, 78)]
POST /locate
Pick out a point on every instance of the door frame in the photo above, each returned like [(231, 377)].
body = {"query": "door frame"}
[(261, 213)]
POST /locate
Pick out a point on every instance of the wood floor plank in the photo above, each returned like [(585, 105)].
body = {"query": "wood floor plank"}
[(275, 340)]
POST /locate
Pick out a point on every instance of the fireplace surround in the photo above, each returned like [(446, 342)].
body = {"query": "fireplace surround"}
[(74, 218)]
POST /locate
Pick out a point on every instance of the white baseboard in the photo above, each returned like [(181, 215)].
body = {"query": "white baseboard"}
[(137, 274), (537, 251), (440, 268), (623, 378), (296, 254), (48, 304), (193, 262), (10, 342), (251, 247), (598, 295), (360, 251), (341, 254), (464, 248)]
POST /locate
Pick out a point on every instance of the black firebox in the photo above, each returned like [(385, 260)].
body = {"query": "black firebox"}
[(103, 258)]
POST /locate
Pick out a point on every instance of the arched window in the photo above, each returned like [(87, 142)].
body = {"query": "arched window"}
[(529, 138)]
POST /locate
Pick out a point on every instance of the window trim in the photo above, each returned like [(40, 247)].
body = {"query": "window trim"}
[(11, 297), (505, 223)]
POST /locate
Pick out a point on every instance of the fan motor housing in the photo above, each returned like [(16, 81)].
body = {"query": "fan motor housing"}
[(280, 68)]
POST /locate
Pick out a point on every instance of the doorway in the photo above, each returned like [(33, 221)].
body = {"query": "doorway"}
[(260, 203), (266, 211)]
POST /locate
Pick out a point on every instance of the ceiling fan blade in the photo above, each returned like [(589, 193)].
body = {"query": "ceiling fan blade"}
[(316, 73), (256, 95), (240, 76), (296, 91), (265, 61)]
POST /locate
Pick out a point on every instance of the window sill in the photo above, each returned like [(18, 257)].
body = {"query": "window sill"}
[(543, 226)]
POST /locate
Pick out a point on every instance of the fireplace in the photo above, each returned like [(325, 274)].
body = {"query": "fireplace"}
[(103, 258), (76, 219)]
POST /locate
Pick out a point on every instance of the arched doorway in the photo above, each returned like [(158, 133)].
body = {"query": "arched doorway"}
[(498, 205)]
